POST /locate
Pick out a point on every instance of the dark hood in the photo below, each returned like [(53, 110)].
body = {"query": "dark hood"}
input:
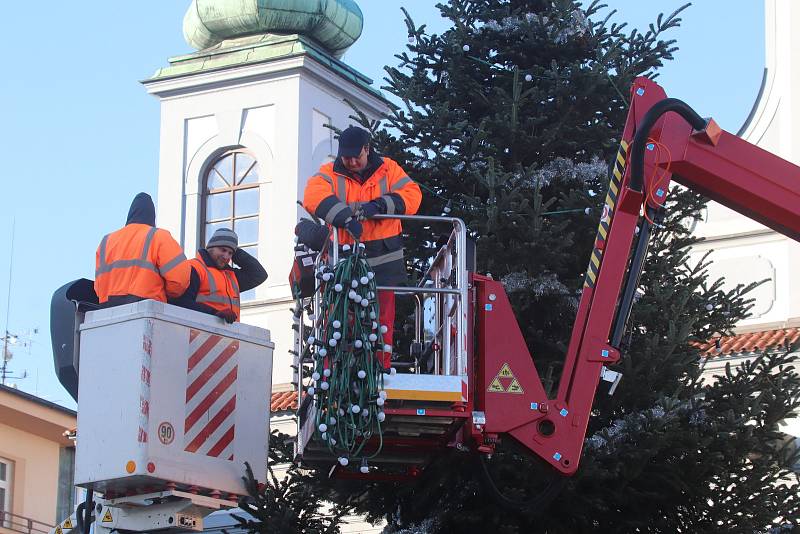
[(142, 211)]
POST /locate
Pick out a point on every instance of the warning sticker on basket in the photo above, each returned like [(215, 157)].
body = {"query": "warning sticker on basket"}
[(166, 433), (107, 517)]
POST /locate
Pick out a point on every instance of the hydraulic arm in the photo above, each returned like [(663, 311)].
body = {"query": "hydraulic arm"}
[(664, 140)]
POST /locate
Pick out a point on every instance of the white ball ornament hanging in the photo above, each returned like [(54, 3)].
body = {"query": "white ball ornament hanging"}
[(528, 78), (346, 248), (311, 391), (364, 280), (362, 374), (337, 324), (465, 48), (315, 376), (355, 408), (324, 386), (337, 336), (343, 461), (364, 302), (323, 427), (373, 337), (332, 342), (381, 417), (326, 373), (384, 329), (338, 288), (323, 352), (379, 401)]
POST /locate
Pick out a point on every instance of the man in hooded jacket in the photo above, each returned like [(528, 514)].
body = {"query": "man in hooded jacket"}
[(140, 261)]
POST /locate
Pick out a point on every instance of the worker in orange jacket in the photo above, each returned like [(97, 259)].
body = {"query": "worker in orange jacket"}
[(348, 192), (140, 261), (220, 285)]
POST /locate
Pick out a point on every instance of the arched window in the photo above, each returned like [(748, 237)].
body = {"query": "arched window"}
[(231, 200)]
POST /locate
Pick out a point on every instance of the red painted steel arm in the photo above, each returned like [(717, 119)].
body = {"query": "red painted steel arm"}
[(704, 158)]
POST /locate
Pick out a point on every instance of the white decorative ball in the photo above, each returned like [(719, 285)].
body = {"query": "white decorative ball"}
[(332, 342), (323, 427), (362, 374), (373, 338), (465, 48), (372, 315), (355, 408), (364, 302), (358, 344), (326, 373), (346, 248), (370, 275), (364, 280), (381, 417), (382, 395), (528, 78), (364, 469), (379, 401), (387, 348), (332, 421), (337, 288), (342, 460), (311, 390), (337, 336), (324, 386), (384, 329), (337, 324), (323, 352), (315, 376), (311, 340)]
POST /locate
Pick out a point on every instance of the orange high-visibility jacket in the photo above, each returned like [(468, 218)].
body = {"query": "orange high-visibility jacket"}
[(219, 288), (331, 195), (142, 261)]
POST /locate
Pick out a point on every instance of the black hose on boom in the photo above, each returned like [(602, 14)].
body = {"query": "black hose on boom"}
[(639, 144)]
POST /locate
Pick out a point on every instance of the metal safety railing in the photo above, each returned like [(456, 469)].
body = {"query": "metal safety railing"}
[(445, 286), (19, 523), (447, 280)]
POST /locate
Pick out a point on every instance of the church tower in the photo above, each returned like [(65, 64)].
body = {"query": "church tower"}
[(243, 125)]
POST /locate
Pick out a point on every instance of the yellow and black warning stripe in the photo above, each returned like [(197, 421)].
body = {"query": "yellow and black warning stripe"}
[(614, 186)]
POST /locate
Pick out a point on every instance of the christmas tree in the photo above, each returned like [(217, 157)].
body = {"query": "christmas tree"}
[(507, 120)]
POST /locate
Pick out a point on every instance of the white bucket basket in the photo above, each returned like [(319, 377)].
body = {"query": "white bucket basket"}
[(171, 398)]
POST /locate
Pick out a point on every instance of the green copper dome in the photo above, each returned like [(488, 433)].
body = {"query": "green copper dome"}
[(335, 24)]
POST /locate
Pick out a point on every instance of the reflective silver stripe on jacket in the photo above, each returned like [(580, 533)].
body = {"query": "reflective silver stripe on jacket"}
[(391, 208), (212, 287), (171, 264), (219, 299), (386, 258), (341, 187), (383, 183), (142, 262), (401, 183)]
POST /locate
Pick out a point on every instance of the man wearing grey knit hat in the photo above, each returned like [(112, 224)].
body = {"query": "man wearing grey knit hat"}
[(220, 283)]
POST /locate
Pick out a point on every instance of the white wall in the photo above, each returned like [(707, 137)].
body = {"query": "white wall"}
[(278, 111)]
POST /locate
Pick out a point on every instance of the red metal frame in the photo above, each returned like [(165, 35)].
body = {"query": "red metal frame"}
[(727, 169)]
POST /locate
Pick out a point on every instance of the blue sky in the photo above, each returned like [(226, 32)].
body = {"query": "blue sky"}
[(81, 134)]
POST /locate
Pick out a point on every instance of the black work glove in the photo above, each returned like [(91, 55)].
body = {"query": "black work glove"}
[(227, 315), (311, 234), (354, 227), (370, 209)]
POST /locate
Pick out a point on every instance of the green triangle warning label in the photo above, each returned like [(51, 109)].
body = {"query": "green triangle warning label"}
[(496, 386), (514, 387), (505, 372), (505, 382)]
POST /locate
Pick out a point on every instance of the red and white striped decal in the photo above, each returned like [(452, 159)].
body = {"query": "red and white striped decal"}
[(210, 394)]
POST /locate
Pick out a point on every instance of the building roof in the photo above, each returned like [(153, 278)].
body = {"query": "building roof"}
[(282, 401), (38, 400), (766, 340)]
